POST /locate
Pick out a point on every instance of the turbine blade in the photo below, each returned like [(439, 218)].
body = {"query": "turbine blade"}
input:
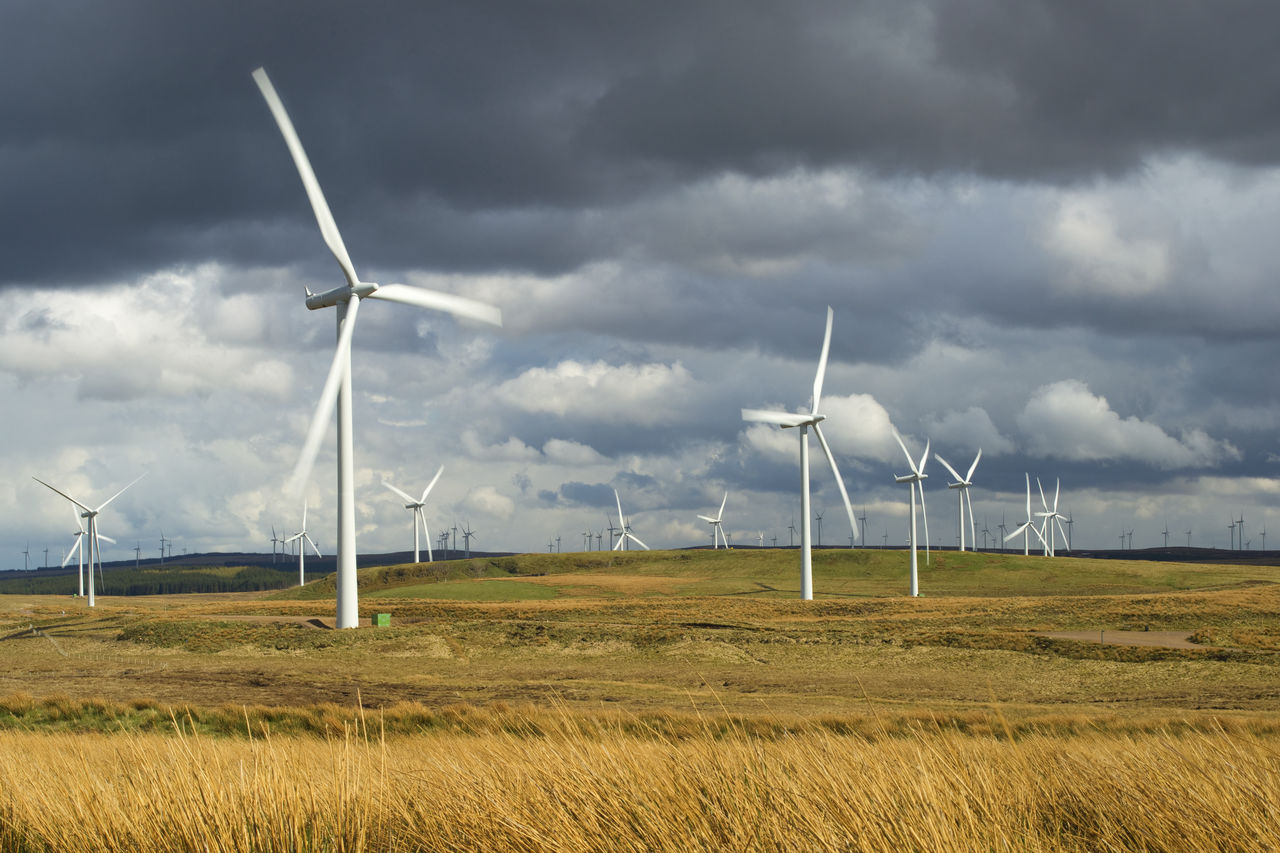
[(108, 538), (304, 516), (822, 362), (973, 532), (720, 514), (826, 448), (787, 419), (64, 494), (118, 494), (708, 519), (1057, 490), (312, 544), (910, 462), (1017, 530), (947, 465), (924, 512), (328, 228), (459, 306), (431, 485), (622, 522), (1028, 476), (1063, 532), (974, 467), (328, 401), (924, 457), (74, 548), (636, 539), (406, 498), (1043, 502)]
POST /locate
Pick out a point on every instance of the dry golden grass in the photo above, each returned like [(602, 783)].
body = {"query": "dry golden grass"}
[(570, 787)]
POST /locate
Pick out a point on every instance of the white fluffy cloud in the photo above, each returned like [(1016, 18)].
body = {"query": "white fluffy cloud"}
[(970, 429), (1084, 233), (646, 394), (489, 501), (1066, 420)]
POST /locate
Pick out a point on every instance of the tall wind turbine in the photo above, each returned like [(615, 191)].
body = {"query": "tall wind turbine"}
[(624, 529), (963, 484), (916, 480), (804, 421), (337, 387), (1051, 517), (1027, 527), (716, 528), (95, 550), (418, 514), (862, 520), (303, 539)]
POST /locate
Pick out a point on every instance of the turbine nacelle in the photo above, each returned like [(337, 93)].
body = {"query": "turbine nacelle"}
[(342, 293), (812, 420)]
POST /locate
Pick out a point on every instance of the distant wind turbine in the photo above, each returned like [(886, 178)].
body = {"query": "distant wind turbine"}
[(303, 539), (624, 529), (804, 421), (915, 480), (1026, 527), (418, 515), (716, 528), (1050, 518), (95, 550), (963, 484), (78, 550), (346, 300)]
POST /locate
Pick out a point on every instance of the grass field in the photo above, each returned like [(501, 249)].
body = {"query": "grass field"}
[(565, 663)]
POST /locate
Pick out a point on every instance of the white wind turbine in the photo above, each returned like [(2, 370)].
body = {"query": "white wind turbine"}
[(418, 514), (963, 484), (303, 539), (337, 387), (624, 529), (95, 550), (1026, 527), (78, 550), (804, 421), (1051, 517), (716, 528), (916, 480)]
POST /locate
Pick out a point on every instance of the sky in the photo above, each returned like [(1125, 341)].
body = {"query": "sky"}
[(1045, 229)]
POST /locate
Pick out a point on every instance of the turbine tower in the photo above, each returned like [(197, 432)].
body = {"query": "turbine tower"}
[(95, 550), (963, 484), (418, 514), (915, 480), (345, 299), (303, 539), (716, 528), (624, 529), (78, 550), (804, 421), (862, 520)]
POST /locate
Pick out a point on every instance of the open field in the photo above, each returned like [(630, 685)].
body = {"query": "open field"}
[(565, 699)]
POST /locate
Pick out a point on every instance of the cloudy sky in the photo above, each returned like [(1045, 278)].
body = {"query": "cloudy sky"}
[(1046, 230)]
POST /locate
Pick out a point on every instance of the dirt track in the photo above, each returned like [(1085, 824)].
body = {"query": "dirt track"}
[(1164, 639)]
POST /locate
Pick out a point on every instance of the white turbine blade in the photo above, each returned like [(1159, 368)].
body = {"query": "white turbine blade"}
[(304, 516), (1028, 476), (74, 548), (1043, 502), (64, 494), (974, 467), (426, 533), (924, 458), (1040, 535), (79, 521), (910, 462), (118, 494), (618, 545), (108, 538), (328, 401), (720, 514), (1062, 531), (406, 498), (947, 465), (786, 419), (1057, 490), (328, 228), (622, 522), (459, 306), (826, 448), (636, 539), (924, 513), (431, 485), (1018, 530), (822, 362), (312, 544), (708, 519)]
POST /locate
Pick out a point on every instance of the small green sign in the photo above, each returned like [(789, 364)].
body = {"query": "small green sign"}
[(382, 620)]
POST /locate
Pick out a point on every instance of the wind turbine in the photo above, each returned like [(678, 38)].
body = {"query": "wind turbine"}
[(78, 550), (716, 528), (804, 421), (1165, 533), (915, 479), (963, 484), (95, 549), (862, 520), (1240, 522), (1002, 527), (467, 535), (337, 387), (760, 538), (303, 539), (418, 514), (1027, 526), (624, 529), (817, 516), (1051, 517)]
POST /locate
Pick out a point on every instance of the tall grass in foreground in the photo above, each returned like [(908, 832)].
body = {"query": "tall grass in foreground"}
[(571, 791)]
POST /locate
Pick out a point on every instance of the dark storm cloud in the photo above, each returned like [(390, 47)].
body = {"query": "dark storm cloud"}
[(442, 132)]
